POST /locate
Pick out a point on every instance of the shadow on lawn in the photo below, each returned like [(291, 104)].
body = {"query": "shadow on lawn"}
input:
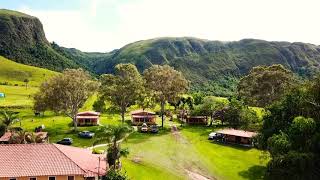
[(254, 173), (138, 137)]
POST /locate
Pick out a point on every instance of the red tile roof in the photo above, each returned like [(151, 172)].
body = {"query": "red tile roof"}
[(142, 111), (87, 117), (6, 137), (91, 113), (235, 132), (19, 160)]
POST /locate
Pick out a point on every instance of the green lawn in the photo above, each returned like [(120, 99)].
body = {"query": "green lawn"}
[(152, 156), (17, 96), (189, 151)]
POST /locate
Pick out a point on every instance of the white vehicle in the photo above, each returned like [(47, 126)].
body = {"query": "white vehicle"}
[(212, 135), (215, 136)]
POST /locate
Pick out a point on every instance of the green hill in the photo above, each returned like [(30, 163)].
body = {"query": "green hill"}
[(14, 73), (22, 39), (212, 66)]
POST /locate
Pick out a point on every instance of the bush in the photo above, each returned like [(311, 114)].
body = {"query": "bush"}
[(115, 175)]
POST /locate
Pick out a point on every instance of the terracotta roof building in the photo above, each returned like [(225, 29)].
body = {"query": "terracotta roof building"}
[(88, 118), (141, 116), (5, 139), (237, 136), (50, 162)]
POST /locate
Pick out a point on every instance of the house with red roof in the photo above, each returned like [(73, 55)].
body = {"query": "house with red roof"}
[(142, 116), (49, 162), (237, 136), (88, 118)]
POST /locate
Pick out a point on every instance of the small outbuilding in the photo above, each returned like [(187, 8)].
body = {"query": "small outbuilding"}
[(197, 120), (6, 138), (237, 136), (141, 116), (88, 118)]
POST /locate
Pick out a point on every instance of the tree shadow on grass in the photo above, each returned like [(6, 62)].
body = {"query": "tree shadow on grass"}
[(138, 137), (254, 173)]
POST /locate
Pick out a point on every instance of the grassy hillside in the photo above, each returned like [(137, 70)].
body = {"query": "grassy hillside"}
[(22, 39), (214, 66), (15, 73)]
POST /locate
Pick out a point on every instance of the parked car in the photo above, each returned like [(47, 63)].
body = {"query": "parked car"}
[(154, 129), (144, 128), (214, 136), (65, 141), (86, 134)]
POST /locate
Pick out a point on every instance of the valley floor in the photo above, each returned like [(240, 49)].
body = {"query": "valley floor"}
[(182, 154)]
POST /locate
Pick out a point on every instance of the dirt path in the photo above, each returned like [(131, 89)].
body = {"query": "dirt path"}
[(180, 139), (196, 176)]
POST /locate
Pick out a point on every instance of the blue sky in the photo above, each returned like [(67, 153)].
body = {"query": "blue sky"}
[(104, 25)]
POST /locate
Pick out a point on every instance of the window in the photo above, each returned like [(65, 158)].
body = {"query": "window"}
[(52, 178), (70, 177), (33, 178), (13, 179)]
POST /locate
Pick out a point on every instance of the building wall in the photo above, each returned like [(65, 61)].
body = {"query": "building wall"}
[(45, 178), (140, 121)]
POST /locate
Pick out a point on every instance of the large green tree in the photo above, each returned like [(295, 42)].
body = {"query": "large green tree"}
[(122, 89), (291, 134), (264, 85), (166, 84), (66, 93)]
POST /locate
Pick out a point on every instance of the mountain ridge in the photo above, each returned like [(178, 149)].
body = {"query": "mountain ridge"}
[(211, 66)]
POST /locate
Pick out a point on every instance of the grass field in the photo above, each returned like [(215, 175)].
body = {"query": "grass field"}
[(190, 150), (15, 73), (17, 96), (160, 156)]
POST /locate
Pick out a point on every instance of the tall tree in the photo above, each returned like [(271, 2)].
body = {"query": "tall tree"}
[(123, 88), (165, 83), (264, 85), (66, 93)]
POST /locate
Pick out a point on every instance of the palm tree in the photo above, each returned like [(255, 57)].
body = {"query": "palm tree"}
[(19, 137), (113, 136), (8, 117)]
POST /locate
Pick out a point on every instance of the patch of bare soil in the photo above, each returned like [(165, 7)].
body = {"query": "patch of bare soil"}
[(196, 176), (177, 135), (136, 159)]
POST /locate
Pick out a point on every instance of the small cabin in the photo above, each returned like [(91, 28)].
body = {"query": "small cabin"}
[(88, 118), (7, 137), (139, 117), (197, 120), (237, 136)]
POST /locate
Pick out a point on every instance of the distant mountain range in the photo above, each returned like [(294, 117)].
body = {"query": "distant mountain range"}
[(211, 66)]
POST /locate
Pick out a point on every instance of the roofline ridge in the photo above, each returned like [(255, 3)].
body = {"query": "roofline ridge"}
[(55, 145)]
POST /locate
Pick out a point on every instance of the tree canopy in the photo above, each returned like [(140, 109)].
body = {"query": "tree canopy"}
[(122, 89), (264, 85), (165, 83), (65, 93)]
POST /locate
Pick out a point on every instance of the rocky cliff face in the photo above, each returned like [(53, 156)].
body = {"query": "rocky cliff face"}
[(23, 40)]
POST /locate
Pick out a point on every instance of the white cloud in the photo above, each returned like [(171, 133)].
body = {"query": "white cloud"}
[(287, 20)]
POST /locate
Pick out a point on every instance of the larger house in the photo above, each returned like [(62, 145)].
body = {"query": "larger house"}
[(142, 116), (88, 118), (49, 162)]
